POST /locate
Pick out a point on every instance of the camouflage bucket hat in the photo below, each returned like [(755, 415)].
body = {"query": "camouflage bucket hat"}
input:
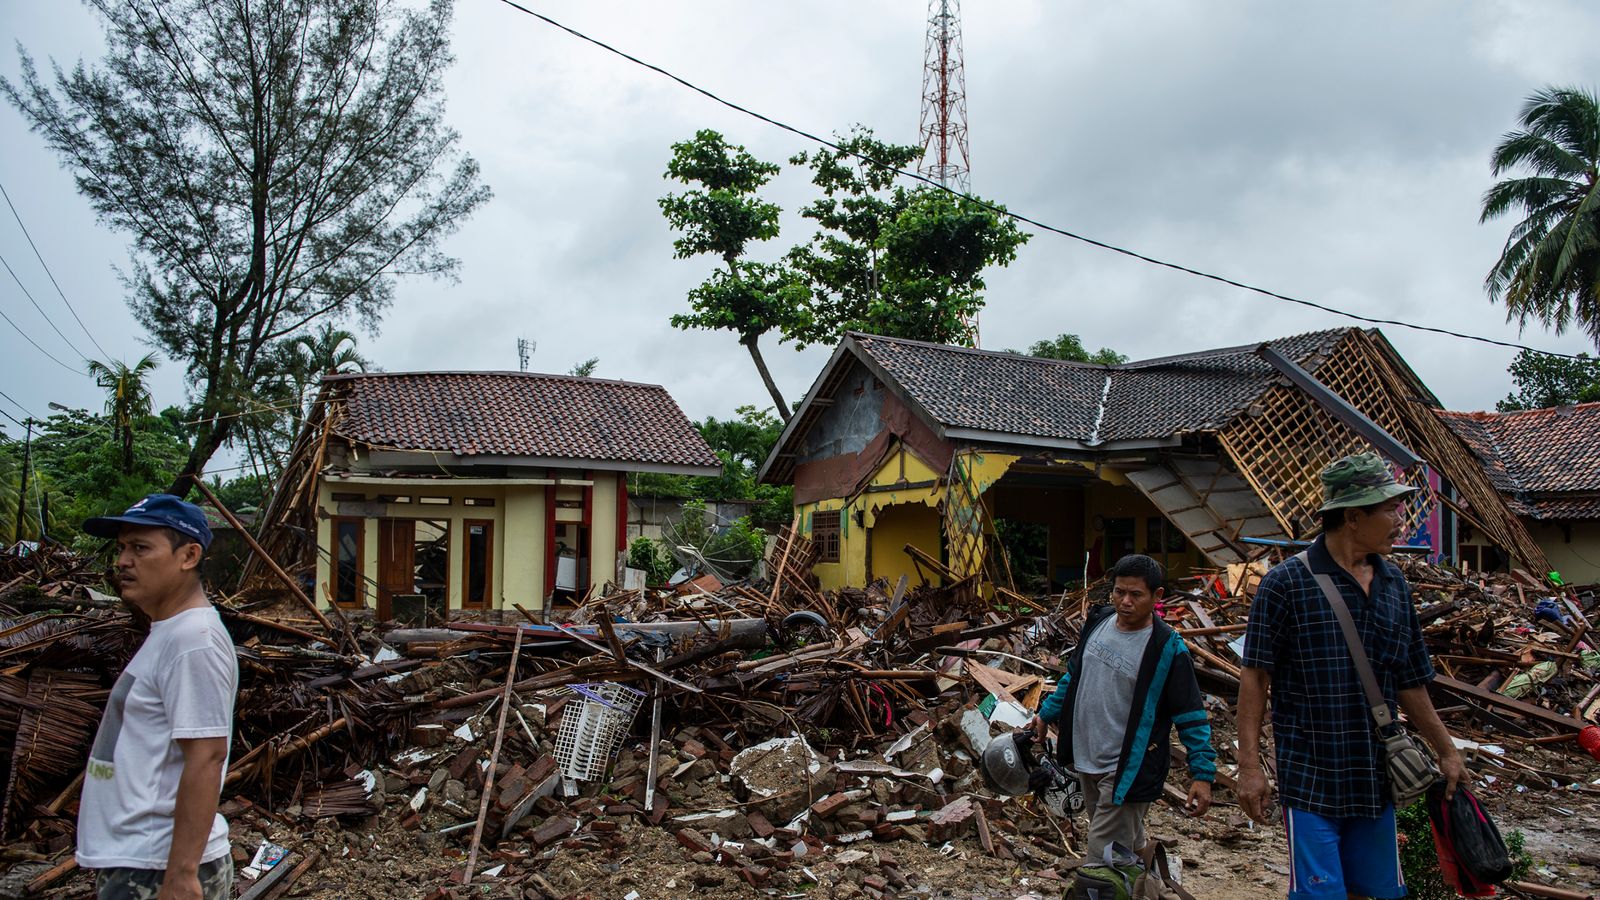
[(1359, 480)]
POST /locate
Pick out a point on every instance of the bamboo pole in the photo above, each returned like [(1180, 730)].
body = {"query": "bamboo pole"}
[(272, 564), (494, 759)]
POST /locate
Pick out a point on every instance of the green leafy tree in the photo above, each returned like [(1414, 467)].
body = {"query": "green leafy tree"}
[(742, 444), (891, 260), (1542, 380), (1549, 270), (79, 461), (244, 494), (271, 418), (21, 516), (276, 165), (586, 368), (721, 215), (1070, 347), (127, 399)]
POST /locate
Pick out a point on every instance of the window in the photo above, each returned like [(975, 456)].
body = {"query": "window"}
[(393, 498), (825, 534), (345, 497), (349, 547), (434, 501), (478, 501), (479, 563)]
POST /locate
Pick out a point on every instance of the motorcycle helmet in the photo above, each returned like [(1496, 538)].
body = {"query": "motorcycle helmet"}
[(1006, 764)]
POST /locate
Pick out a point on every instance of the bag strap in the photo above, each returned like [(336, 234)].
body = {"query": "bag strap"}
[(1378, 706), (1154, 859)]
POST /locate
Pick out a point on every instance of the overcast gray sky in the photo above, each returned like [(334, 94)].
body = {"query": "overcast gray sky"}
[(1335, 152)]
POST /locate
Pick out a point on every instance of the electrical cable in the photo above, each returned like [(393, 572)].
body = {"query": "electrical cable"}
[(39, 348), (999, 210), (29, 294), (52, 275), (25, 411)]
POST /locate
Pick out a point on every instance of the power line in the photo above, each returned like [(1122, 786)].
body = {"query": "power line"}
[(24, 409), (998, 210), (39, 348), (62, 294), (29, 295)]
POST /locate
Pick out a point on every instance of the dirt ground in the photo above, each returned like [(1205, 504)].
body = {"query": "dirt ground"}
[(1223, 856)]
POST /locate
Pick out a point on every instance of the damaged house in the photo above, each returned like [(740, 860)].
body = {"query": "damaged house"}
[(471, 490), (904, 449), (1546, 464)]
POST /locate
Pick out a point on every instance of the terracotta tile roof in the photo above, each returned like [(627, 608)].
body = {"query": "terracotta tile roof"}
[(1031, 397), (1547, 461), (519, 414)]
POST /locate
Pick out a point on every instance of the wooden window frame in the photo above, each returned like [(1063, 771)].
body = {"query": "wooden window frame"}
[(827, 533), (487, 602), (361, 562)]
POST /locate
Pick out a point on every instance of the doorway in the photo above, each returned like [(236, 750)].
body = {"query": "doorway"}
[(413, 558)]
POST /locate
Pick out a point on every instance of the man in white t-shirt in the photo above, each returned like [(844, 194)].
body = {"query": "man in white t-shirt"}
[(147, 820)]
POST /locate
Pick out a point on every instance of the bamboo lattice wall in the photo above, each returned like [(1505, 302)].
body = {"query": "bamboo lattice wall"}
[(1283, 442)]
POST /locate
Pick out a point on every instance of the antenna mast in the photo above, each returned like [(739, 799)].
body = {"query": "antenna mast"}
[(944, 99), (944, 110)]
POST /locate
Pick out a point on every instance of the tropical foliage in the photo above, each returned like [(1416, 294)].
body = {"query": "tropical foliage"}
[(76, 471), (1070, 347), (1543, 380), (127, 399), (1549, 270), (275, 165), (722, 215), (892, 260), (742, 444)]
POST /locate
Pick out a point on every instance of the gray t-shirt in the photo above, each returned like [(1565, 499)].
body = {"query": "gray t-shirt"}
[(179, 685), (1105, 696)]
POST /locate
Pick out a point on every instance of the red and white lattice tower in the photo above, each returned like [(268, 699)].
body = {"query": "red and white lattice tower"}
[(944, 99), (944, 110)]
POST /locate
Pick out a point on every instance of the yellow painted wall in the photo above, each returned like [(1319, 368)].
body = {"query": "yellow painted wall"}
[(519, 533), (889, 488), (522, 545), (892, 529), (1578, 561), (603, 530)]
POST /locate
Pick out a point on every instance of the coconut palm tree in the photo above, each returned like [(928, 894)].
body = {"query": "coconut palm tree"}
[(1549, 270), (127, 399)]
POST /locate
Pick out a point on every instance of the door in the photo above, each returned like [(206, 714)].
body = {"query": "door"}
[(397, 547)]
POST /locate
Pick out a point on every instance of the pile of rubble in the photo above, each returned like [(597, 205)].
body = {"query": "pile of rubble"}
[(731, 738)]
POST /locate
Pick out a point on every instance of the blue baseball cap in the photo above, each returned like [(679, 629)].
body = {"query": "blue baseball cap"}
[(156, 510)]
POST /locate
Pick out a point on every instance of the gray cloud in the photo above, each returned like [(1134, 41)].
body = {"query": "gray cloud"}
[(1334, 152)]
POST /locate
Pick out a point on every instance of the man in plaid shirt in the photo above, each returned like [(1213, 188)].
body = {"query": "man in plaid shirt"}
[(1331, 771)]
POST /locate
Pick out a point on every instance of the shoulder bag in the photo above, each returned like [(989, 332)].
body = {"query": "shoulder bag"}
[(1411, 769)]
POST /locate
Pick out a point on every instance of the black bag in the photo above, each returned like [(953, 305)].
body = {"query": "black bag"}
[(1463, 823)]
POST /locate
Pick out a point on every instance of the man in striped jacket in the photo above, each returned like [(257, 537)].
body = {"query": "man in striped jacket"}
[(1128, 683)]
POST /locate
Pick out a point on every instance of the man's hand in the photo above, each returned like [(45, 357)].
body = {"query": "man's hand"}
[(1454, 772), (1037, 726), (1254, 794), (180, 886), (1199, 799)]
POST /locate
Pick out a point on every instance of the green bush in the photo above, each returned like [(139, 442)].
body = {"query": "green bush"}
[(653, 558)]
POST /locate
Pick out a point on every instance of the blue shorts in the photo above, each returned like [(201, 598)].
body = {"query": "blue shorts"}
[(1329, 858)]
